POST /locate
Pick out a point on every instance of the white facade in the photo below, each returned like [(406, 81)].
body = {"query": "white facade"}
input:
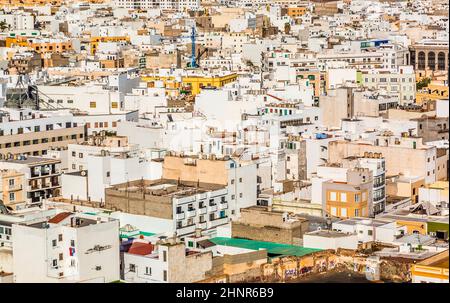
[(65, 252)]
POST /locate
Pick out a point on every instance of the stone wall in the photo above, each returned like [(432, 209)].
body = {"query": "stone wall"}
[(266, 233)]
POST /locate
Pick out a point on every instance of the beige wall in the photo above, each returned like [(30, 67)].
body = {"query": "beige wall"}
[(65, 133), (407, 161), (208, 171)]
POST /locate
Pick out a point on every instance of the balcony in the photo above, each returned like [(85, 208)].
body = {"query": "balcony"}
[(202, 210), (217, 222), (15, 187), (180, 216), (223, 205), (202, 225), (212, 208), (187, 229), (191, 213)]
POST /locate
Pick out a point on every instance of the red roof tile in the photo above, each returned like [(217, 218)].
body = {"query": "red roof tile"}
[(139, 248), (59, 217)]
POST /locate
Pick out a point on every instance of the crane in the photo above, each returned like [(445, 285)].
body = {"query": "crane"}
[(195, 58)]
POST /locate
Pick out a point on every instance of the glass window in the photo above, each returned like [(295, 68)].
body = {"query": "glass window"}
[(333, 196)]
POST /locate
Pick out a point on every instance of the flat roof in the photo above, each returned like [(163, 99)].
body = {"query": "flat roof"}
[(328, 234), (32, 160), (271, 247)]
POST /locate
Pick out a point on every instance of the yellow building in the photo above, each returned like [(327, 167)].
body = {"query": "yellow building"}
[(193, 84), (432, 92), (431, 270), (94, 41), (11, 184)]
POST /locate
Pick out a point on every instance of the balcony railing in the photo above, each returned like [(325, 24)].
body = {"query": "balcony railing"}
[(191, 213), (180, 216), (15, 187), (212, 208), (223, 205)]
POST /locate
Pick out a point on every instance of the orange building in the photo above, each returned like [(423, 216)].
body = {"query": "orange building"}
[(352, 198), (39, 46), (295, 12)]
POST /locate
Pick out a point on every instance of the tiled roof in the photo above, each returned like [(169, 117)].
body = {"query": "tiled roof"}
[(139, 248), (59, 217)]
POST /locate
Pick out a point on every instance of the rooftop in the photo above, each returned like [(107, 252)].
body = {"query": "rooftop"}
[(271, 247)]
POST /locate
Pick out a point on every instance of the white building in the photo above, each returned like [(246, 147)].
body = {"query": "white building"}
[(166, 261), (66, 248), (326, 239)]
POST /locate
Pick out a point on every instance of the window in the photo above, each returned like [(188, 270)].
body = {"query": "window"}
[(148, 271), (343, 197), (344, 212), (357, 198), (356, 212), (240, 195), (132, 268), (12, 196), (80, 155), (233, 197), (190, 244), (61, 257), (72, 243), (232, 181), (60, 237), (240, 180), (54, 243), (55, 263), (333, 196), (165, 275), (369, 232), (93, 104), (333, 211), (108, 174), (164, 256), (74, 166), (114, 104)]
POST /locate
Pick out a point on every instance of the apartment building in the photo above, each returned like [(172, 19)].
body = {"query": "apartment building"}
[(376, 164), (96, 144), (403, 155), (67, 247), (33, 132), (173, 206), (41, 179), (239, 177), (12, 188), (402, 82), (343, 192)]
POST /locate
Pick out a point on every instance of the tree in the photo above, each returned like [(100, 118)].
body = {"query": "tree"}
[(423, 83), (3, 26)]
